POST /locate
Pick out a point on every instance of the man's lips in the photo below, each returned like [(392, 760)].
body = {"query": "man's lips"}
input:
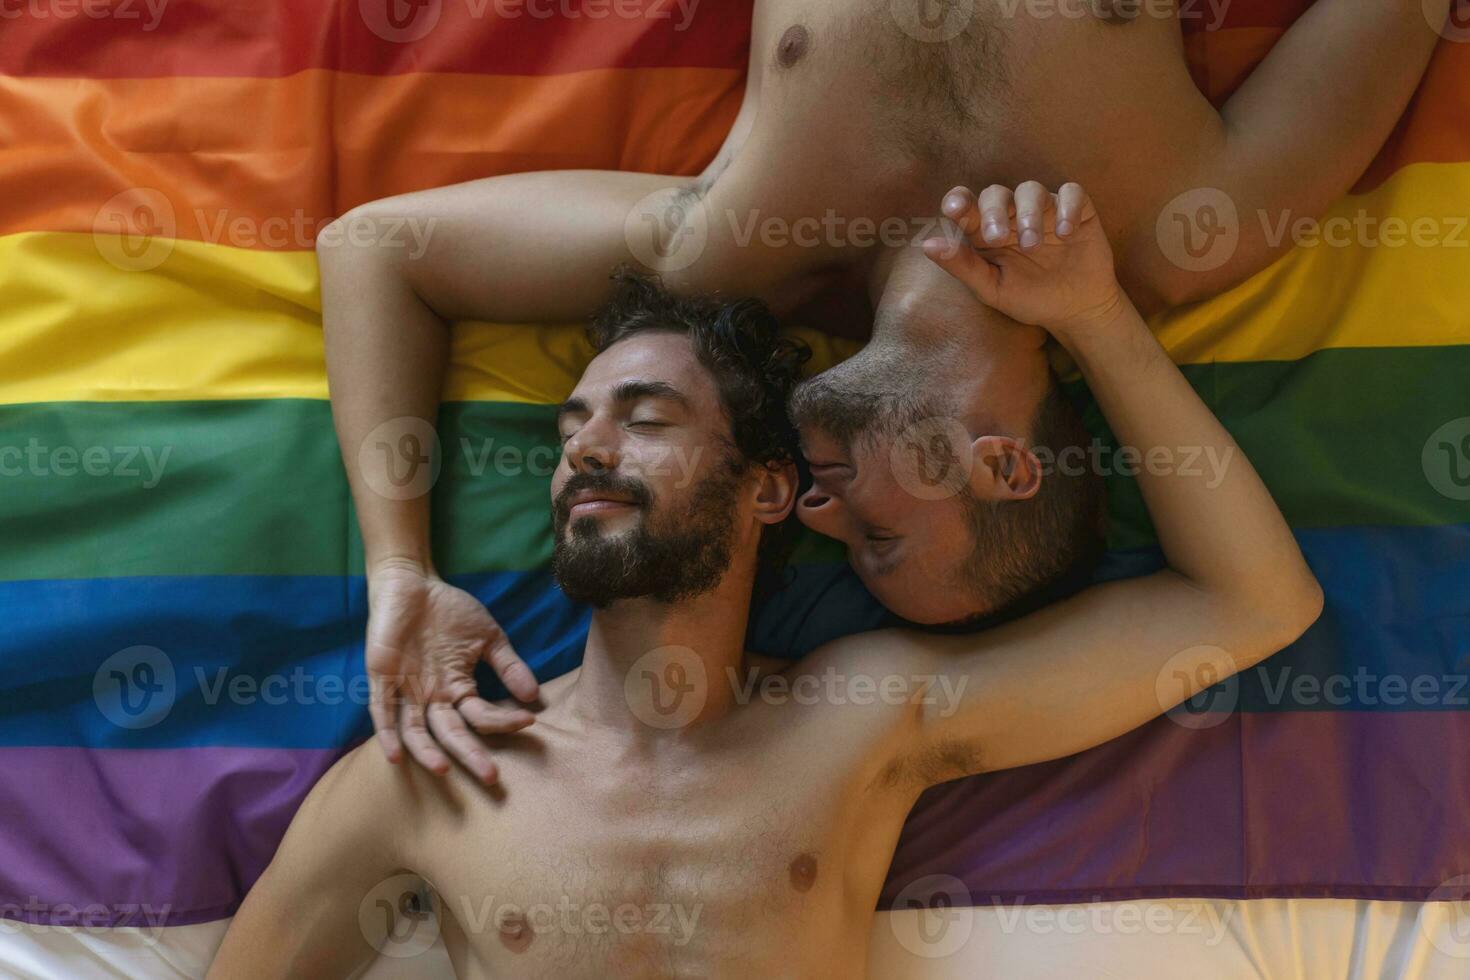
[(592, 503)]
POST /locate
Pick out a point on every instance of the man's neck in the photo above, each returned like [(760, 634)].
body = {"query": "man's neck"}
[(969, 350), (654, 671)]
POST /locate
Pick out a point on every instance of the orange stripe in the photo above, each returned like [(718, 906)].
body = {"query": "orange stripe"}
[(1435, 129), (255, 160), (232, 153)]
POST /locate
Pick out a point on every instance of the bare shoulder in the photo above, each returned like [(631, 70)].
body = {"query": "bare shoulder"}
[(881, 669), (874, 648), (366, 801)]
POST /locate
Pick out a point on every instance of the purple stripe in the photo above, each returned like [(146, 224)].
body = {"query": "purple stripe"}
[(1298, 805), (106, 837), (1339, 804)]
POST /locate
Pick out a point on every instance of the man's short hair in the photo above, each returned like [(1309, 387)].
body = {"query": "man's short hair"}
[(1028, 553), (1024, 553), (754, 367)]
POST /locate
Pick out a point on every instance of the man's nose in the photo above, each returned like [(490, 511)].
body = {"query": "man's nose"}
[(586, 452), (822, 512)]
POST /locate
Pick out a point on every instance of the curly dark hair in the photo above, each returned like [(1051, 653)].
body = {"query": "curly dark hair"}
[(754, 366)]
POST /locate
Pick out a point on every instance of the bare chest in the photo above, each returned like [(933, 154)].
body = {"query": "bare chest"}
[(721, 873)]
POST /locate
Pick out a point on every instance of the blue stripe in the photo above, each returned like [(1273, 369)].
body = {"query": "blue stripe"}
[(276, 661)]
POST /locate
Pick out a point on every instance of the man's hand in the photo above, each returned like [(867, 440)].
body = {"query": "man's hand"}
[(1038, 257), (424, 639)]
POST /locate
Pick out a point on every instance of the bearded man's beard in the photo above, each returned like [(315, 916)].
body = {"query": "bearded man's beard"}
[(667, 558)]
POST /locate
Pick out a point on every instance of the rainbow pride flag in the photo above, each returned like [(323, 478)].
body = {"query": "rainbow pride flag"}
[(180, 574)]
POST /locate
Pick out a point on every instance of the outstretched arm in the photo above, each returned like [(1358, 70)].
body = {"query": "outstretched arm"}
[(1094, 666), (1288, 143), (305, 916), (536, 246)]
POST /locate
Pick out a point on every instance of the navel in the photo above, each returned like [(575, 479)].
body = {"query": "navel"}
[(803, 872), (515, 932), (793, 45)]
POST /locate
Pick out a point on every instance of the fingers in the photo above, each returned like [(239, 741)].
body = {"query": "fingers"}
[(966, 265), (961, 207), (1071, 207), (997, 206), (449, 728), (1033, 204), (420, 743), (383, 708), (493, 719), (511, 669), (984, 220)]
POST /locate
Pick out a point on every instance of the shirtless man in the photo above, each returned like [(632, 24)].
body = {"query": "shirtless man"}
[(661, 819), (864, 111)]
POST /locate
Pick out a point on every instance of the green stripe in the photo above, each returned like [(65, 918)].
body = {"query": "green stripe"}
[(1338, 436), (257, 488)]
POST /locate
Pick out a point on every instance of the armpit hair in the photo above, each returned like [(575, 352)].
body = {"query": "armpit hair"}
[(937, 762)]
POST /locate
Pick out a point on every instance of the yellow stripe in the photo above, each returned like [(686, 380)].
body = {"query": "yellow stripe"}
[(214, 322), (1369, 293)]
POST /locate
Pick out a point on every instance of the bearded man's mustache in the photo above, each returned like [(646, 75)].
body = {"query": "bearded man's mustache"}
[(603, 481)]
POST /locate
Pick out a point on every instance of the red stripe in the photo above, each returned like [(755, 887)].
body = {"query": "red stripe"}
[(271, 38)]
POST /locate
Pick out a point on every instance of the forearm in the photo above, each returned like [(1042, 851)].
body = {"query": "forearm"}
[(386, 353), (1218, 525), (283, 934), (1310, 118), (304, 916), (1288, 144)]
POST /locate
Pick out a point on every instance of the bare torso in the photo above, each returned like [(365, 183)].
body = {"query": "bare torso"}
[(856, 121), (756, 849)]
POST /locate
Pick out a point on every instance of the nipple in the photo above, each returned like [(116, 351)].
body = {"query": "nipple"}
[(793, 45), (515, 932), (803, 872)]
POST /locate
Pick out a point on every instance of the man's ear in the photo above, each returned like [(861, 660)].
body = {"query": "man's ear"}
[(1004, 469), (775, 493)]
